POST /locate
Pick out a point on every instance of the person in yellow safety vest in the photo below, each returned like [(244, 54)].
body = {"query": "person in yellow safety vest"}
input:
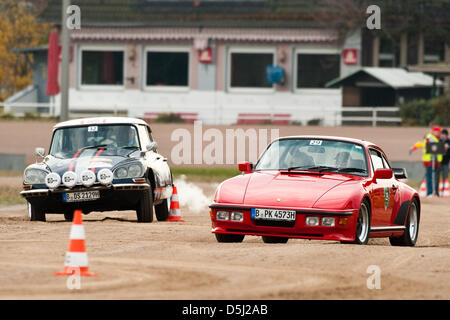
[(427, 159)]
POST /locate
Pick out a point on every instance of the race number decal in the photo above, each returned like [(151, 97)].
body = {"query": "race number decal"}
[(315, 142), (92, 129)]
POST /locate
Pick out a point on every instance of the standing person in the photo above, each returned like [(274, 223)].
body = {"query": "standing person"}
[(427, 162), (446, 157)]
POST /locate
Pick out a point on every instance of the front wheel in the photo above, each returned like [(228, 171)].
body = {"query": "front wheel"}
[(144, 210), (229, 237), (267, 239), (35, 213), (362, 225), (409, 237), (162, 211)]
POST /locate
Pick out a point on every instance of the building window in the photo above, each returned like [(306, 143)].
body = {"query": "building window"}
[(167, 68), (101, 67), (315, 70), (248, 69)]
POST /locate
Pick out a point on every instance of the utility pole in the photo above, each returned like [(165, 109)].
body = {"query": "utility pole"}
[(65, 42)]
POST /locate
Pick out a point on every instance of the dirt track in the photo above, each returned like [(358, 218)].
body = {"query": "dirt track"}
[(166, 260)]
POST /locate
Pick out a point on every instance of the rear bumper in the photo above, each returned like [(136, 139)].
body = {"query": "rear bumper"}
[(124, 196), (297, 229)]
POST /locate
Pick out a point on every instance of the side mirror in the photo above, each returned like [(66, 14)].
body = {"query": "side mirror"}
[(245, 166), (382, 174), (40, 152), (400, 173), (153, 146)]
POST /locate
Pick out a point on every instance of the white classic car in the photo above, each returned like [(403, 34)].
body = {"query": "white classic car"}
[(99, 164)]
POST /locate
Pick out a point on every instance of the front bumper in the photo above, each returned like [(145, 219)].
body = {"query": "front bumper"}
[(296, 229), (121, 196)]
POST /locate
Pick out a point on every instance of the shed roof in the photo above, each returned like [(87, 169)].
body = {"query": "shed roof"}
[(396, 78)]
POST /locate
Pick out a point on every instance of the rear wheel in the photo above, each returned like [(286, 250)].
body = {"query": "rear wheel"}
[(411, 233), (162, 211), (229, 237), (267, 239), (144, 210), (35, 213)]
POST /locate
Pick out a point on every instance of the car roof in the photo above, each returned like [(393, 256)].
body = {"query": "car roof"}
[(345, 139), (99, 121)]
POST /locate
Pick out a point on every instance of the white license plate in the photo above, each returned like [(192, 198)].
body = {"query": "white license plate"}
[(81, 196), (273, 214)]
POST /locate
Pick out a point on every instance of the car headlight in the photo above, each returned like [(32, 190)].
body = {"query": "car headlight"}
[(105, 176), (34, 176), (87, 178), (131, 171), (121, 173), (134, 171), (69, 179), (53, 180)]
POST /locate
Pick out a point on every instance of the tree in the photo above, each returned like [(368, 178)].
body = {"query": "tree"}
[(18, 29)]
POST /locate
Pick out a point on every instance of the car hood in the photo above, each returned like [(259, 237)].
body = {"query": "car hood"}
[(272, 188), (87, 160)]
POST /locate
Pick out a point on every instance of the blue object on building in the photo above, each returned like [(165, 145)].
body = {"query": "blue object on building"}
[(274, 74)]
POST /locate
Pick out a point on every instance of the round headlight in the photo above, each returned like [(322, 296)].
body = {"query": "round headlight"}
[(121, 173), (87, 178), (134, 171), (69, 179), (34, 176), (53, 180), (105, 176)]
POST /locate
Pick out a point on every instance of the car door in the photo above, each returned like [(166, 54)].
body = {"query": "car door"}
[(156, 161), (382, 196), (394, 191)]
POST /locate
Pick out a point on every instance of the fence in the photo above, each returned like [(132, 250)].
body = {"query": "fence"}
[(372, 115), (230, 114)]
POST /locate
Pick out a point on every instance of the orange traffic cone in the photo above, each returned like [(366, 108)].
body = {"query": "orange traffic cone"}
[(446, 191), (76, 257), (423, 189), (441, 188), (175, 212)]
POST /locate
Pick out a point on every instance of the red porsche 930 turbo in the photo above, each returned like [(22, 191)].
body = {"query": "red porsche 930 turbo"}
[(314, 187)]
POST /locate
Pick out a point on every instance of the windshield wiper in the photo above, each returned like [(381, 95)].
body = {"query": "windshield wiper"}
[(314, 168), (94, 147), (129, 147)]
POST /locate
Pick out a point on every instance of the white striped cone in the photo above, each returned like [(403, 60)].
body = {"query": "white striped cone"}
[(76, 261), (446, 190), (441, 187), (175, 211), (423, 189)]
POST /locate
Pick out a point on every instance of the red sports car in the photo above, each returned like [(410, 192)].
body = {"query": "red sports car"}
[(316, 187)]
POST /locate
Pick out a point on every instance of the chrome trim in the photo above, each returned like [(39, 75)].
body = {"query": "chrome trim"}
[(121, 186), (387, 228)]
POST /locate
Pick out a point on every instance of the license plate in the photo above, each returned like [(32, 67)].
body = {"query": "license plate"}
[(81, 196), (273, 214)]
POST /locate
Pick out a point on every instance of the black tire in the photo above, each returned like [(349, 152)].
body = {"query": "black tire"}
[(68, 215), (409, 237), (229, 237), (36, 213), (162, 211), (144, 210), (267, 239), (362, 230)]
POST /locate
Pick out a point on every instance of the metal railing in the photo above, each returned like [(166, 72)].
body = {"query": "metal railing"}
[(373, 115)]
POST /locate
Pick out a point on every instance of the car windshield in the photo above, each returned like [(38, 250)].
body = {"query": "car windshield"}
[(68, 141), (314, 155)]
